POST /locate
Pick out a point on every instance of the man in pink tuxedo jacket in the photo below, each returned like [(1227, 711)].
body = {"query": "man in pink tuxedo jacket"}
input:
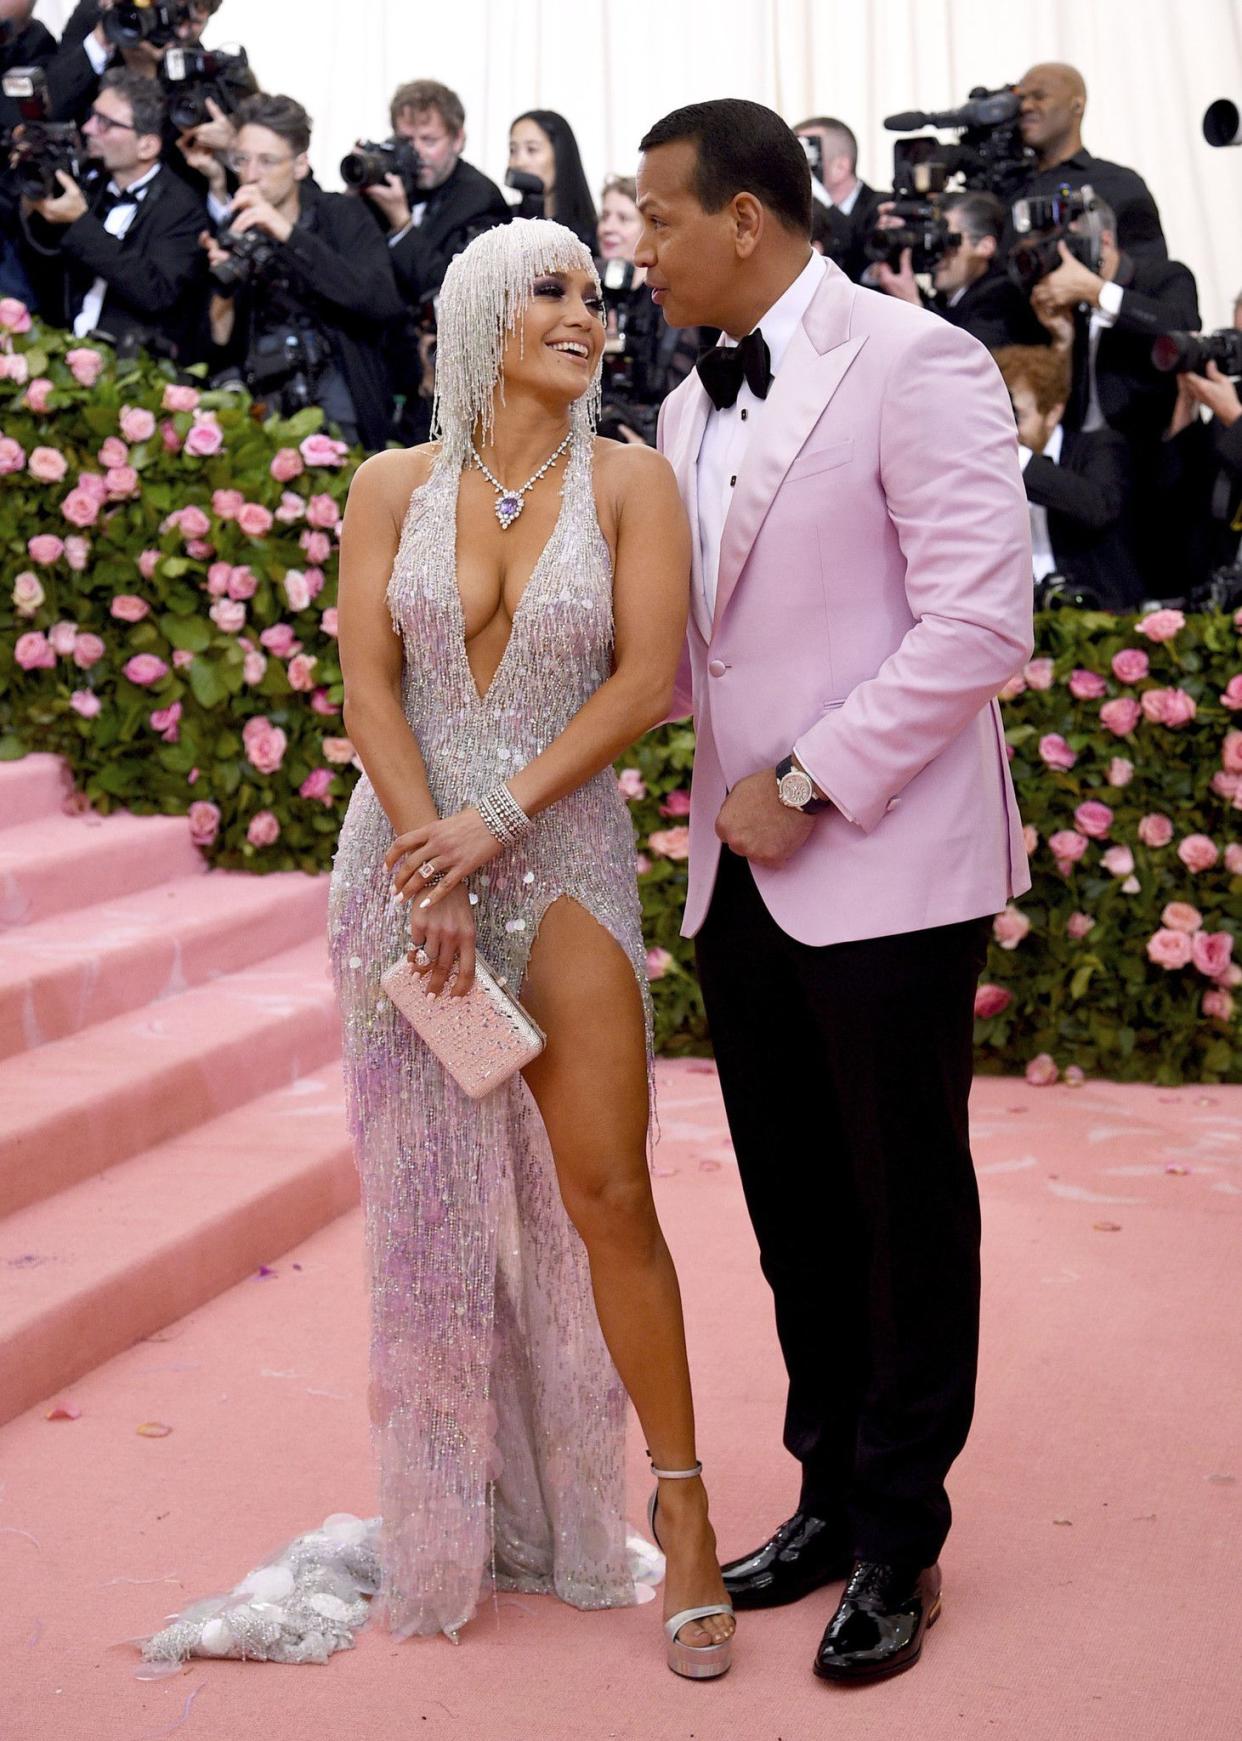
[(861, 592)]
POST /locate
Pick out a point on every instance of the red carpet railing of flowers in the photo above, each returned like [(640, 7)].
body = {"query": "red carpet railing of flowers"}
[(168, 625)]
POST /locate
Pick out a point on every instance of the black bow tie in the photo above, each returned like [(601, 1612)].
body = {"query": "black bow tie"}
[(110, 199), (723, 369)]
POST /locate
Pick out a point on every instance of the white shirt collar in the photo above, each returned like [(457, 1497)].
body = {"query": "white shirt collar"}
[(135, 187), (847, 204), (784, 317), (1054, 444)]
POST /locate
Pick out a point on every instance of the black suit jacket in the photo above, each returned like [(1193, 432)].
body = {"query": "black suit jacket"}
[(1139, 230), (156, 273), (463, 205), (1197, 506), (1135, 397), (854, 226), (994, 311), (1086, 495), (32, 45)]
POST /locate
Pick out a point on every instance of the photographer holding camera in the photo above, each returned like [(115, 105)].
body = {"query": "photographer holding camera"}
[(970, 287), (852, 204), (24, 42), (102, 34), (120, 256), (1199, 479), (304, 282)]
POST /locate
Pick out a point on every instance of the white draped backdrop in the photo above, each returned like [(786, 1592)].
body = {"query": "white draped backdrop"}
[(614, 66)]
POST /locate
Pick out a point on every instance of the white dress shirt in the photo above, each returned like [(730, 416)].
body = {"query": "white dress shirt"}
[(117, 224), (1102, 317), (1042, 559), (728, 433)]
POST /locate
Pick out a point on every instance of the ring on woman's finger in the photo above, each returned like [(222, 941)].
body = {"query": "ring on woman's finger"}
[(427, 870), (421, 957)]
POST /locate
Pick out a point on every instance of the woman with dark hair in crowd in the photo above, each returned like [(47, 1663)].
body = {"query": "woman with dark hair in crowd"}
[(542, 143)]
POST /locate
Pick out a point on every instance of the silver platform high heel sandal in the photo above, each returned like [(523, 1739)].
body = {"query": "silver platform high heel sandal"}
[(696, 1662)]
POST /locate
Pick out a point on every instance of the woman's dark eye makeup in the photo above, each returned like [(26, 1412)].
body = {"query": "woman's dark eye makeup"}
[(554, 287)]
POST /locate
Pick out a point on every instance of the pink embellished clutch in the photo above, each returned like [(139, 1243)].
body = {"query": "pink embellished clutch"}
[(481, 1039)]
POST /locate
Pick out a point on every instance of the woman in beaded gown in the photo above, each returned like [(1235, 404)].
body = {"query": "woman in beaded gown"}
[(513, 599)]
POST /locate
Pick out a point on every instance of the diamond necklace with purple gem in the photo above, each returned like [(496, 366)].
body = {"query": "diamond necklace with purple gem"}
[(509, 503)]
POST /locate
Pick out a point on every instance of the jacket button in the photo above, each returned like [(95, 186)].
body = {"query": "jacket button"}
[(717, 668)]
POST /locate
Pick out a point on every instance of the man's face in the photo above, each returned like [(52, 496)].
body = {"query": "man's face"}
[(438, 149), (191, 29), (111, 139), (1051, 107), (689, 254), (836, 161), (262, 159), (14, 12), (963, 264), (1035, 427)]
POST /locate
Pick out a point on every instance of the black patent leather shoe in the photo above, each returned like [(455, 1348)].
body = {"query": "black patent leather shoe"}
[(804, 1553), (879, 1625)]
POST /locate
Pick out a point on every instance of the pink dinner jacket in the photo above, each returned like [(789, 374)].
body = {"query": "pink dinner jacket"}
[(874, 595)]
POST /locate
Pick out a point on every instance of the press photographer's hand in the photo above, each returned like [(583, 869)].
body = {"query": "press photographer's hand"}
[(391, 199), (67, 206), (251, 211), (1217, 392)]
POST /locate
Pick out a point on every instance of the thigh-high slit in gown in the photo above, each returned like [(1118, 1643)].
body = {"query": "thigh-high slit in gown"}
[(496, 1411)]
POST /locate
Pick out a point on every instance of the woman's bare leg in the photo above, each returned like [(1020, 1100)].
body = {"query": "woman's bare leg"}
[(590, 1085)]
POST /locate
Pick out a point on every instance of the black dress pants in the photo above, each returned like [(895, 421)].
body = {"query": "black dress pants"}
[(846, 1071)]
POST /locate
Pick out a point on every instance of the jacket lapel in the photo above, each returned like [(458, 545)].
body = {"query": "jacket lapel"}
[(814, 366)]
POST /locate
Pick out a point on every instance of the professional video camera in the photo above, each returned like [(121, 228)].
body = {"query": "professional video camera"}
[(38, 147), (532, 190), (923, 229), (192, 77), (150, 21), (371, 162), (251, 254), (1043, 223), (1189, 353), (988, 153)]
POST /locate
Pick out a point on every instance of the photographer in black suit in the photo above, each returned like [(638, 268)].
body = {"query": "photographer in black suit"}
[(24, 42), (1076, 483), (87, 52), (304, 282), (1198, 490), (854, 205), (122, 258), (970, 288)]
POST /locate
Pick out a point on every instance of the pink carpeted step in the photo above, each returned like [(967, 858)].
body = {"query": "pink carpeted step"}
[(119, 1256), (35, 786), (63, 974), (80, 1104), (57, 863)]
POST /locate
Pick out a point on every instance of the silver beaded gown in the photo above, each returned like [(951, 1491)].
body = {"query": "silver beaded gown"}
[(496, 1411)]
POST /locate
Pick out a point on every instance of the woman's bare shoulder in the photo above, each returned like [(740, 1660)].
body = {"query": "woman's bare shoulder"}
[(630, 467), (390, 478)]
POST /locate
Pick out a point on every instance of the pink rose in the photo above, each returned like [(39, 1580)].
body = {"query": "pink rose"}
[(28, 593), (254, 520), (38, 395), (80, 508), (631, 784), (136, 424), (1210, 952), (62, 636), (144, 669), (14, 315), (670, 843), (338, 750), (297, 593), (642, 864), (228, 615), (113, 453), (286, 465), (1055, 752), (1231, 752), (676, 804), (1093, 819), (320, 703), (1218, 1005), (317, 785), (253, 667), (1074, 1076), (1197, 852), (13, 458), (1009, 927), (46, 549), (1042, 1072), (1161, 625), (264, 830), (265, 744), (180, 398), (148, 562), (1067, 846), (1121, 716), (1171, 707), (322, 450), (991, 1000), (218, 579), (191, 778), (85, 365), (1155, 830), (328, 621), (314, 582), (1181, 916), (301, 672), (123, 482), (1030, 839), (227, 504), (77, 552), (83, 702), (88, 650), (1232, 697), (14, 368), (1226, 786), (317, 545), (243, 583), (191, 522), (291, 508), (658, 963), (171, 438), (1078, 925), (94, 485), (1086, 686), (1118, 861), (47, 465), (182, 658), (167, 721), (1120, 771), (204, 823), (1168, 949), (1131, 665), (204, 439), (323, 512), (1233, 859), (33, 652), (1013, 688), (280, 640), (1039, 673)]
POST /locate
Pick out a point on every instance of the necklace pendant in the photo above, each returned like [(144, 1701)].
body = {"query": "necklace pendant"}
[(508, 507)]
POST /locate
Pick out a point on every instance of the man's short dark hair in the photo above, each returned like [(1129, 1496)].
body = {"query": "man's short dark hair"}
[(981, 214), (280, 115), (420, 95), (148, 110), (741, 147), (829, 124)]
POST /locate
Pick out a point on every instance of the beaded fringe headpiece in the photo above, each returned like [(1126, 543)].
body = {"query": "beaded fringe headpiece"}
[(486, 290)]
